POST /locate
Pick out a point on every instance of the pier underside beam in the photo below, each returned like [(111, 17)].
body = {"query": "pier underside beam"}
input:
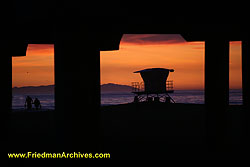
[(216, 89)]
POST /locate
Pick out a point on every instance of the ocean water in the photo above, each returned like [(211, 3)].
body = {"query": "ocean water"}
[(47, 100), (179, 96)]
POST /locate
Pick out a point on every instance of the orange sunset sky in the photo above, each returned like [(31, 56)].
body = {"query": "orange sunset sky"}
[(137, 51)]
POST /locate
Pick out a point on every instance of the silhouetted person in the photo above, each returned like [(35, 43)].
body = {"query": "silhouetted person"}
[(28, 103), (156, 99), (37, 103), (136, 99), (167, 100)]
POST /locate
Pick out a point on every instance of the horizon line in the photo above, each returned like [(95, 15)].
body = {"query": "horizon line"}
[(119, 84)]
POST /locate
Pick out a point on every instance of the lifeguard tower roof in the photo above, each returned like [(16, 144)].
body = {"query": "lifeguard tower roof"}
[(155, 79), (155, 69)]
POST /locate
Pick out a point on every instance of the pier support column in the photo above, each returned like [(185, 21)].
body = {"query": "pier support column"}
[(216, 90), (246, 72), (246, 89), (77, 90), (6, 87), (8, 47), (6, 80)]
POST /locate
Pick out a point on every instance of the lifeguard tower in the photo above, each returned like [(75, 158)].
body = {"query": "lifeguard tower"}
[(155, 87)]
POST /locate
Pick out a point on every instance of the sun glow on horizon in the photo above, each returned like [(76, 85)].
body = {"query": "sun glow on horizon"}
[(136, 52), (34, 69), (186, 58)]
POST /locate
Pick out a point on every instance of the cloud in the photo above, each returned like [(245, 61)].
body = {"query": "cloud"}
[(40, 46), (40, 49), (199, 48), (152, 39)]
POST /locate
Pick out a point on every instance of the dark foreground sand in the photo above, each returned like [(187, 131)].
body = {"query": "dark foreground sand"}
[(163, 127), (133, 129)]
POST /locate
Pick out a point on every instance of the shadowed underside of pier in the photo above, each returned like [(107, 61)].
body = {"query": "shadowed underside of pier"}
[(78, 38)]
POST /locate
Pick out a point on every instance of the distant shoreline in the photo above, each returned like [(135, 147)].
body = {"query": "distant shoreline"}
[(109, 87)]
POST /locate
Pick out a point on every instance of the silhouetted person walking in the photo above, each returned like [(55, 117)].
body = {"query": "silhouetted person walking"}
[(37, 103), (28, 103)]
